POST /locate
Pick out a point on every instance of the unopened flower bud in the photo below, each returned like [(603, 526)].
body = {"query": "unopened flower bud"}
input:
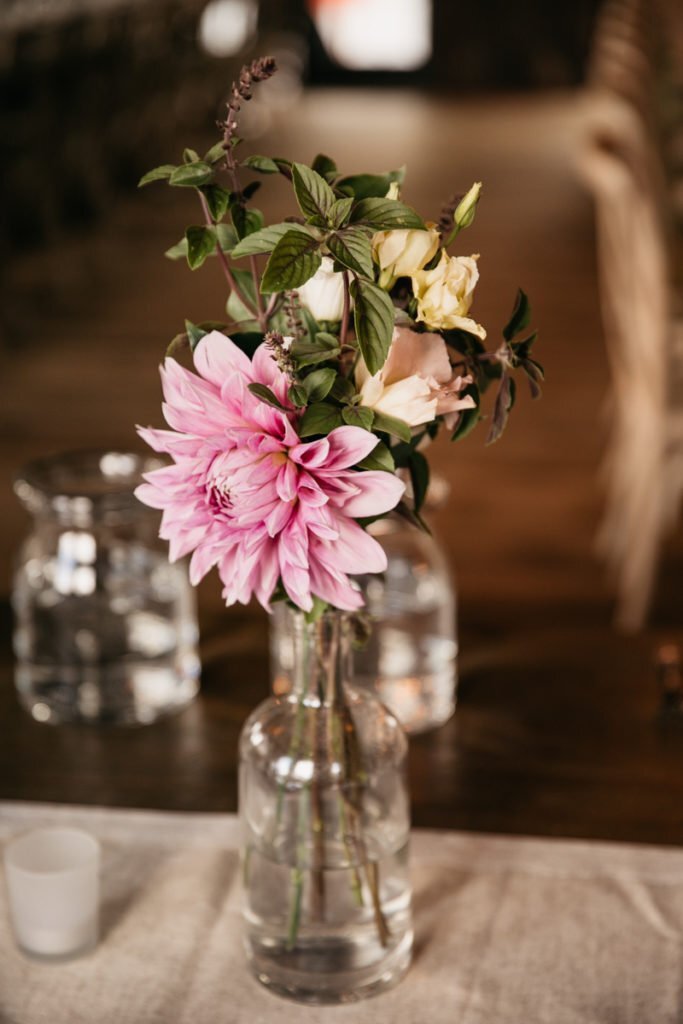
[(467, 207)]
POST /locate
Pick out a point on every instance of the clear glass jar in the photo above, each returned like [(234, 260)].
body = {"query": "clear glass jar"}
[(325, 815), (105, 626), (410, 657)]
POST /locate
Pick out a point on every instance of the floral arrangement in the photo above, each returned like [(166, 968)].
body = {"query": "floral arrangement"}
[(348, 345)]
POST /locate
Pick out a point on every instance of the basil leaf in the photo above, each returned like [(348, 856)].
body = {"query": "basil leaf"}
[(295, 258), (351, 247), (386, 214), (201, 242), (392, 425), (191, 175), (357, 416), (325, 167), (320, 418), (520, 318), (261, 241), (217, 199), (374, 321), (314, 195), (379, 458), (264, 164), (157, 174), (266, 395), (318, 383)]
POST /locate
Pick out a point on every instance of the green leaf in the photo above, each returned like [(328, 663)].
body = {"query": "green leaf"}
[(227, 236), (263, 164), (362, 186), (419, 478), (157, 174), (283, 166), (191, 175), (177, 251), (266, 395), (320, 418), (215, 154), (351, 247), (260, 241), (249, 190), (190, 156), (217, 200), (339, 214), (297, 395), (357, 416), (295, 258), (318, 383), (343, 390), (194, 333), (379, 458), (201, 242), (325, 167), (386, 214), (392, 425), (322, 347), (521, 315), (313, 194), (246, 222), (235, 307), (468, 418), (374, 320), (224, 233)]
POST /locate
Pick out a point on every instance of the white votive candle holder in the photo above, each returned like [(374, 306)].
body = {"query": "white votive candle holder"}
[(52, 879)]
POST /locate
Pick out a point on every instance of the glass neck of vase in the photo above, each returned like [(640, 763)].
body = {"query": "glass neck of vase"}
[(322, 657)]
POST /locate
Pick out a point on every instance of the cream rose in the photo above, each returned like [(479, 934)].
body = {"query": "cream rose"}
[(416, 383), (323, 294), (444, 294), (400, 253)]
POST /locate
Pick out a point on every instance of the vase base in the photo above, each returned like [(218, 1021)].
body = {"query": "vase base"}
[(333, 986)]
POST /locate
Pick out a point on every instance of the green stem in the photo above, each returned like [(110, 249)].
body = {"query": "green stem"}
[(297, 876), (229, 276)]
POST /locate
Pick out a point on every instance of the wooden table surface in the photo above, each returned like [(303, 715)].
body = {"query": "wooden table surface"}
[(557, 729)]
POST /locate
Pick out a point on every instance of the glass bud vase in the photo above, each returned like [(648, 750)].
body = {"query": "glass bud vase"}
[(410, 656), (325, 817), (105, 627)]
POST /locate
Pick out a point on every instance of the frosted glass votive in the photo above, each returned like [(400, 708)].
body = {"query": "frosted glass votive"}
[(52, 879)]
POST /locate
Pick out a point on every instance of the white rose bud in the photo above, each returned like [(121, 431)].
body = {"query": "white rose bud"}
[(444, 295), (323, 294), (400, 253), (467, 207)]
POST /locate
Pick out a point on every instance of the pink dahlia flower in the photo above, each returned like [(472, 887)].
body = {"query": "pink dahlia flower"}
[(247, 495)]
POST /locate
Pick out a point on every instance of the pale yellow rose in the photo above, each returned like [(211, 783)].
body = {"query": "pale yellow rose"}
[(416, 383), (323, 294), (400, 253), (444, 294)]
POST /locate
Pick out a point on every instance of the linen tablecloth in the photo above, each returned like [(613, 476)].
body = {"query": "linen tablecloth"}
[(508, 931)]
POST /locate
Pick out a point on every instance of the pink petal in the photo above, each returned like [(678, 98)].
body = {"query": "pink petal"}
[(337, 591), (217, 358), (376, 492), (354, 551), (348, 447)]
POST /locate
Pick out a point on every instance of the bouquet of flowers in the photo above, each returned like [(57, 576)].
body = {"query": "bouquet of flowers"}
[(348, 345)]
